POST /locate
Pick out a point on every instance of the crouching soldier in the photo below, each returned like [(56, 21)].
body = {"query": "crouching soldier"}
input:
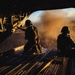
[(32, 37)]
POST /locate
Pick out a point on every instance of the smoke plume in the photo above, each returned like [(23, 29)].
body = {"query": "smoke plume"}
[(50, 27)]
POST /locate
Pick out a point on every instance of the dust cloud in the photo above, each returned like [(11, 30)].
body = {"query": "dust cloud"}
[(50, 26)]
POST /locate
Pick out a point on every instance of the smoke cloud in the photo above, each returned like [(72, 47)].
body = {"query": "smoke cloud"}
[(50, 26)]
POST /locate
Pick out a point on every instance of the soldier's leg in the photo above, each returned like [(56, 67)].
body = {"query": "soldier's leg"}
[(39, 45), (27, 47)]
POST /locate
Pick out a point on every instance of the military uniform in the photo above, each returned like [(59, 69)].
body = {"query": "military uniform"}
[(65, 44), (33, 44)]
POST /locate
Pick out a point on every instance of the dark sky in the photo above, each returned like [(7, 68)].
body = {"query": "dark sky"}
[(33, 5)]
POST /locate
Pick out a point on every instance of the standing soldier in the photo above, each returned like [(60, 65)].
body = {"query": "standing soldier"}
[(65, 43)]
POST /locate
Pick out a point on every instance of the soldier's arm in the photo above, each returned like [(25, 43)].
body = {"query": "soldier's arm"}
[(71, 42), (21, 28)]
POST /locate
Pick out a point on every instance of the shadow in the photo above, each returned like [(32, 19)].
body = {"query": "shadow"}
[(4, 35), (7, 53), (8, 57)]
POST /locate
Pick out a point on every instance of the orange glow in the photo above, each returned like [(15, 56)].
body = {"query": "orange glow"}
[(50, 27)]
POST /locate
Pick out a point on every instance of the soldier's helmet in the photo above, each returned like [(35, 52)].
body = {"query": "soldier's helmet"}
[(28, 23), (65, 30)]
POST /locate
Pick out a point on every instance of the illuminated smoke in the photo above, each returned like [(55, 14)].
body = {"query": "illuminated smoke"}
[(50, 27), (72, 29)]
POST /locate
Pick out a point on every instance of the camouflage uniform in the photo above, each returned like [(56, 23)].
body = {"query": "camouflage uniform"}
[(33, 44)]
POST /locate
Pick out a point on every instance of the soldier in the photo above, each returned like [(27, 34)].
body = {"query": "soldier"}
[(31, 34), (65, 43)]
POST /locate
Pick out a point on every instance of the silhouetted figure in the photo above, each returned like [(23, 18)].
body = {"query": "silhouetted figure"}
[(31, 34), (8, 26), (65, 43)]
